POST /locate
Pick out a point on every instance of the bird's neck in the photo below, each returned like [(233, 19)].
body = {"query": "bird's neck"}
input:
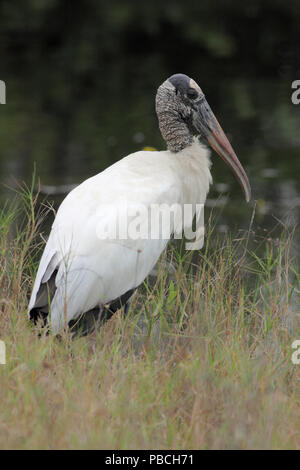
[(174, 131)]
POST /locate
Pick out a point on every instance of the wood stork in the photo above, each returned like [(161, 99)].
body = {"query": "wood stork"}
[(82, 275)]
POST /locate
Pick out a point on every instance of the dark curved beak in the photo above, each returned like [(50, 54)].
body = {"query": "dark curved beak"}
[(207, 124)]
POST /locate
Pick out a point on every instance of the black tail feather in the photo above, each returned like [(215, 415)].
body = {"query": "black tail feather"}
[(93, 319)]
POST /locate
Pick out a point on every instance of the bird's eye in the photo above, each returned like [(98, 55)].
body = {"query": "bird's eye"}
[(192, 93)]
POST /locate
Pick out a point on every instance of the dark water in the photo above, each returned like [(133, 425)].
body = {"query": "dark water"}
[(71, 131)]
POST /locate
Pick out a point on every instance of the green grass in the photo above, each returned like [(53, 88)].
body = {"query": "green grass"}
[(202, 361)]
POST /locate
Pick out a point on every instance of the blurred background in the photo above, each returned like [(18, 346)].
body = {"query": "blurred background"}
[(81, 79)]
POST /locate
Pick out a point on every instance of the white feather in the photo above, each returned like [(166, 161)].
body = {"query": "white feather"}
[(92, 270)]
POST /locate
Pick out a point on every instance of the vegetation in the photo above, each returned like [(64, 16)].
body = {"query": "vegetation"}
[(202, 361)]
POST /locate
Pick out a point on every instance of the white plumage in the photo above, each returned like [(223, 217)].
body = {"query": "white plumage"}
[(93, 270)]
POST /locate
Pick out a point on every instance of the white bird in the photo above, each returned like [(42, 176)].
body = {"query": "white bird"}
[(81, 274)]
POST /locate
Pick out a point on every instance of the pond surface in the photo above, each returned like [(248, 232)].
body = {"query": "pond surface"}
[(71, 131)]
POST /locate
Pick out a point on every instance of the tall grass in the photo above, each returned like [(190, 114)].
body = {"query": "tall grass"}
[(203, 359)]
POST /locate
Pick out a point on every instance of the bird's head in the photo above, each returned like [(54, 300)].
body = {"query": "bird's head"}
[(183, 111)]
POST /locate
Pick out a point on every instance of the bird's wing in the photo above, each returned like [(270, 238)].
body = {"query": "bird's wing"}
[(89, 269)]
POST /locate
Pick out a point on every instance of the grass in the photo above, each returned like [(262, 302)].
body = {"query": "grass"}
[(203, 361)]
